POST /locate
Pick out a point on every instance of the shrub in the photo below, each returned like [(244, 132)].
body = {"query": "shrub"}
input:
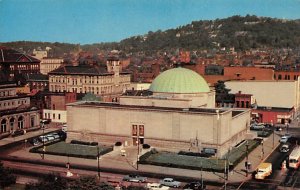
[(118, 143), (94, 143), (198, 154), (146, 146)]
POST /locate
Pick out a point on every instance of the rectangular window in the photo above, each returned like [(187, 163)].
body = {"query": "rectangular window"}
[(54, 116), (59, 116), (134, 130)]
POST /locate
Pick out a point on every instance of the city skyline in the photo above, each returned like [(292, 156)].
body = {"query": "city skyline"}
[(87, 22)]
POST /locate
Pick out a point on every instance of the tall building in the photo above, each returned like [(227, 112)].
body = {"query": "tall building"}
[(50, 64), (15, 111), (108, 81)]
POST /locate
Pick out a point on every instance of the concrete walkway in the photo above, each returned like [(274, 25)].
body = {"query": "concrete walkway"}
[(115, 160)]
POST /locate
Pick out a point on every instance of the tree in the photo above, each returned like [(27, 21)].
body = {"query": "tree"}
[(6, 176), (49, 182), (221, 88), (91, 97)]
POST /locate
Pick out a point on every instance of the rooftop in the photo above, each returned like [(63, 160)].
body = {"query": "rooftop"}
[(117, 105), (8, 55)]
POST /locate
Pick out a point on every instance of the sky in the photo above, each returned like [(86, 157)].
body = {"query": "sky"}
[(95, 21)]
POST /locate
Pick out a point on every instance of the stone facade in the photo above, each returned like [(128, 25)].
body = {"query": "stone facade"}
[(109, 82), (15, 111), (172, 128)]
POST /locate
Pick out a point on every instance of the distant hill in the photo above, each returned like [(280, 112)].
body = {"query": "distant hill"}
[(236, 31)]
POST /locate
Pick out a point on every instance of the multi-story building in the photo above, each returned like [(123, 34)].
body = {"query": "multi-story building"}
[(105, 81), (14, 65), (50, 64), (15, 111), (273, 101)]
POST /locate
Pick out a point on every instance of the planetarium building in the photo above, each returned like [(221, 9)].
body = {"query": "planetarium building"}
[(177, 112)]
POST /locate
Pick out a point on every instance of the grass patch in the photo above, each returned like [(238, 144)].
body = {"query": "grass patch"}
[(171, 159), (73, 150)]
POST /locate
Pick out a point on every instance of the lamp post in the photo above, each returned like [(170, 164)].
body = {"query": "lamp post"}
[(273, 134), (262, 150), (43, 126), (247, 152), (138, 151), (98, 160)]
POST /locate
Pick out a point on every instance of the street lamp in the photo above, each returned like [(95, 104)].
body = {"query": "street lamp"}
[(43, 139), (247, 152), (262, 149), (98, 160)]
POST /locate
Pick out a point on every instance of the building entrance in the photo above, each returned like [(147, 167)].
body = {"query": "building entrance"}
[(137, 134)]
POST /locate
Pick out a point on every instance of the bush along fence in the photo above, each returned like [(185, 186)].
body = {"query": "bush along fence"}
[(195, 162), (72, 150)]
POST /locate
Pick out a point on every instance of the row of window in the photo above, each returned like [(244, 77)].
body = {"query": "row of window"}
[(286, 77), (6, 93), (23, 67), (242, 104), (47, 116), (11, 122), (12, 103)]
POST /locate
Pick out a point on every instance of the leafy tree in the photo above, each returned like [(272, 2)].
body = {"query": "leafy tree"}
[(221, 88), (91, 97), (6, 177), (87, 183), (49, 182)]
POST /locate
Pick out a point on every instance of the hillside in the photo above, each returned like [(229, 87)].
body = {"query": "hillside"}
[(239, 32)]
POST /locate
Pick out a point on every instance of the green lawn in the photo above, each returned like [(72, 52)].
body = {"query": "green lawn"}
[(171, 159), (74, 150)]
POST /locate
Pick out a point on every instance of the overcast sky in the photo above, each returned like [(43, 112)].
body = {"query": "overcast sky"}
[(94, 21)]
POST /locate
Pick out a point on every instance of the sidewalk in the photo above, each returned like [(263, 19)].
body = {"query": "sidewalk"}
[(114, 160)]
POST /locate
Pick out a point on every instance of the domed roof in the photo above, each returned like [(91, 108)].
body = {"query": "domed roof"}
[(179, 80)]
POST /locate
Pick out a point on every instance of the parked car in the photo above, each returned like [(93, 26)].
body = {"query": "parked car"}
[(156, 186), (18, 132), (194, 185), (50, 137), (43, 139), (55, 135), (34, 141), (285, 138), (134, 178), (170, 182), (284, 148), (45, 121), (257, 126)]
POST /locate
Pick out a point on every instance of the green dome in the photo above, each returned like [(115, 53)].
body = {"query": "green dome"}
[(179, 80)]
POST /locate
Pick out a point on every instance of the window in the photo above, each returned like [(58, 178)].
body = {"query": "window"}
[(59, 116), (3, 126), (53, 116), (237, 104)]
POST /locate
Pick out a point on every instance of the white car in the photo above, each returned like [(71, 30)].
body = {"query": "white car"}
[(43, 139), (285, 138), (170, 182), (156, 186)]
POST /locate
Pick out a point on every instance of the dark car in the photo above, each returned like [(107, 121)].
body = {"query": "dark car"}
[(194, 185), (18, 133)]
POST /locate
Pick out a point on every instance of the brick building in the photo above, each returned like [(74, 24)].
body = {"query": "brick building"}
[(14, 65)]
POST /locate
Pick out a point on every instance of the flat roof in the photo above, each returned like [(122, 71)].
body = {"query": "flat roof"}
[(117, 105)]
